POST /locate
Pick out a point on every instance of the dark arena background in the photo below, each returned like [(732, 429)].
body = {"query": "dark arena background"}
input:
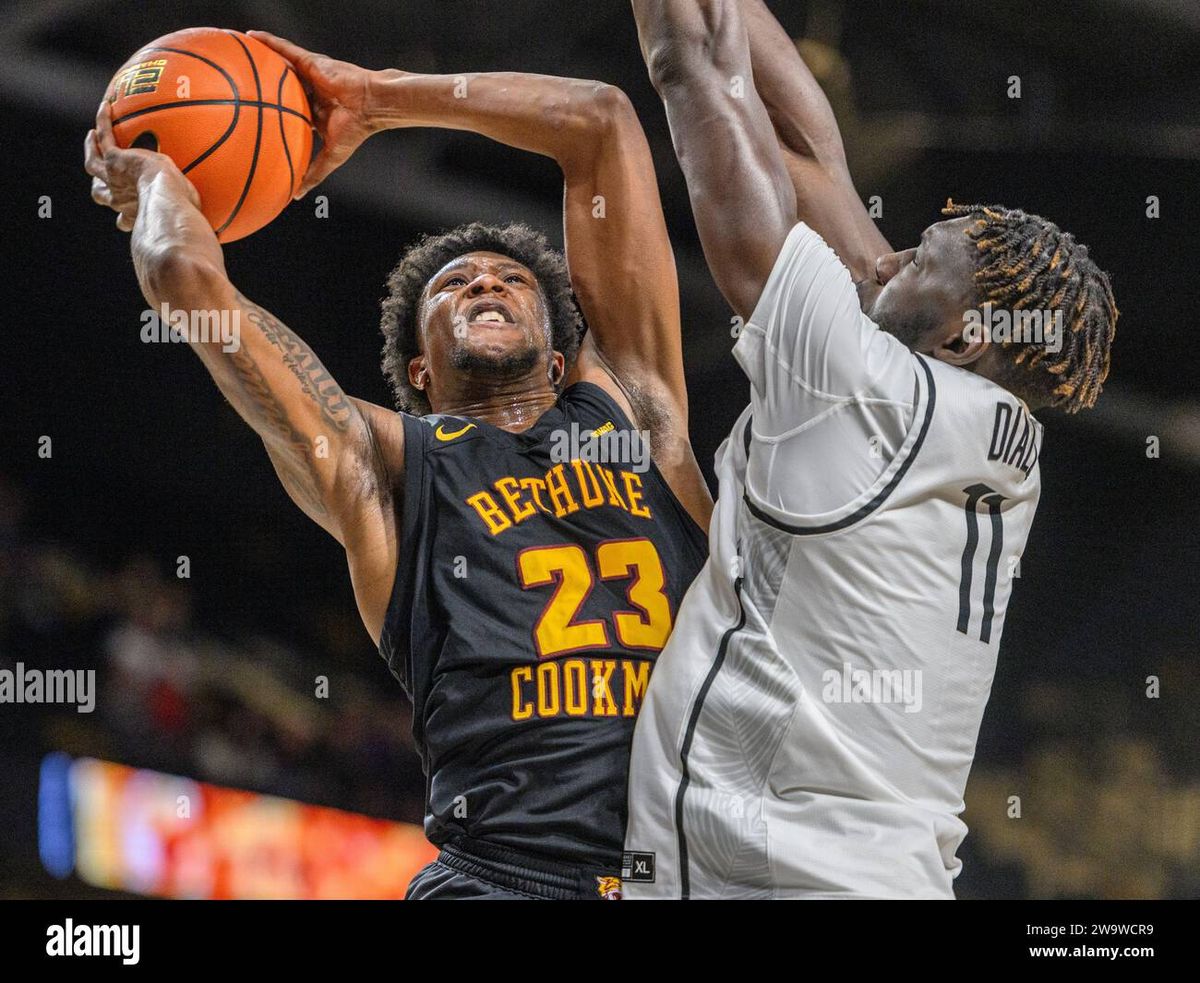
[(143, 533)]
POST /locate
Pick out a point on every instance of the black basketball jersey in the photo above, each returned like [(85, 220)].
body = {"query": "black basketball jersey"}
[(535, 589)]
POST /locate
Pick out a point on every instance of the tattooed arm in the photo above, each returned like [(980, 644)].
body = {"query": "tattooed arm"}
[(620, 259), (339, 459)]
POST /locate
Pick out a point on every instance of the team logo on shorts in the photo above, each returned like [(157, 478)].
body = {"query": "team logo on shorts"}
[(609, 888)]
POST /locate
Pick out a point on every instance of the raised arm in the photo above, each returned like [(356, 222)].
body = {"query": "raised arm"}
[(620, 259), (618, 252), (339, 459), (744, 205), (811, 143)]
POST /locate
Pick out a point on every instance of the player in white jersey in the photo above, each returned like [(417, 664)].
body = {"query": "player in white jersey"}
[(809, 728)]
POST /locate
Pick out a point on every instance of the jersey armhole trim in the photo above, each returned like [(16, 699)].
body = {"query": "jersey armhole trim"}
[(610, 404), (878, 493), (394, 649), (623, 420)]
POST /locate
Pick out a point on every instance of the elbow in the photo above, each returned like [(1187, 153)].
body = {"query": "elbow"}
[(687, 45), (171, 274), (595, 113), (607, 113), (672, 64), (592, 111), (609, 108)]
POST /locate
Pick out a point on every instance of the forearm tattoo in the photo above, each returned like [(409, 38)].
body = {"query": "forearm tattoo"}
[(314, 378), (293, 454)]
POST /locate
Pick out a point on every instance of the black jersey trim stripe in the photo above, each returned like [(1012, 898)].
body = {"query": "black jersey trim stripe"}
[(686, 747), (257, 136), (884, 493)]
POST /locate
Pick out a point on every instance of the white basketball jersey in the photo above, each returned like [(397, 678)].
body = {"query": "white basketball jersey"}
[(810, 725)]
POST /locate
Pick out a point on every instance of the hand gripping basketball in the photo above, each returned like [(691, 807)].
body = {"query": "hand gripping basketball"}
[(230, 112), (117, 174), (338, 92)]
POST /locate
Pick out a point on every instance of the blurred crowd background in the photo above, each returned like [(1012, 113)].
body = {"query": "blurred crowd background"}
[(1087, 780)]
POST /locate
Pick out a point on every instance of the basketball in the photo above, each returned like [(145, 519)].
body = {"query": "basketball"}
[(229, 111)]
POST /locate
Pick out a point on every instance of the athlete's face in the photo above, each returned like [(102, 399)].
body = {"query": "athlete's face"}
[(484, 313), (919, 295)]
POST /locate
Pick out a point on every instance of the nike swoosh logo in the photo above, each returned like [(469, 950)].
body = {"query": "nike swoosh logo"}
[(441, 434)]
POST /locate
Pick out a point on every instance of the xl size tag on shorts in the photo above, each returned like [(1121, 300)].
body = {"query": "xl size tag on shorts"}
[(637, 868)]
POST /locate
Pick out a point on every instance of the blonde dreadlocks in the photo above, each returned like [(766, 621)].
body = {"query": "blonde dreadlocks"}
[(1025, 262)]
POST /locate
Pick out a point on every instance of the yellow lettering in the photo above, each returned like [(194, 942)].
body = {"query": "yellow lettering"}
[(595, 496), (634, 494), (575, 683), (509, 490), (614, 496), (489, 512), (547, 689), (603, 705), (564, 686), (636, 680), (536, 486), (560, 491), (523, 710)]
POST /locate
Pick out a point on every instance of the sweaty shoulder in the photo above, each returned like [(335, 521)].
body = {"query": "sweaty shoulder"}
[(585, 401), (385, 429)]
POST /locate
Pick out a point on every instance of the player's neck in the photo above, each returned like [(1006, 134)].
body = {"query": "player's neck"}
[(514, 410)]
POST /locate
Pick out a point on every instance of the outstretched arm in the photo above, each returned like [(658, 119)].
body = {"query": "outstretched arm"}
[(806, 345), (811, 143), (698, 56), (328, 449), (618, 252), (621, 263)]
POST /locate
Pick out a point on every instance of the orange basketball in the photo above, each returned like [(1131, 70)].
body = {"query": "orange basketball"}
[(229, 111)]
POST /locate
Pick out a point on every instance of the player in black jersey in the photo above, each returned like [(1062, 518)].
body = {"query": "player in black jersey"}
[(515, 553)]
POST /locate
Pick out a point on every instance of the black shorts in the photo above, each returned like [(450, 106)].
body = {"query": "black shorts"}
[(479, 871)]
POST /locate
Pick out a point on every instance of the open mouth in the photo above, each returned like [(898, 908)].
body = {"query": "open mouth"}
[(489, 312)]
